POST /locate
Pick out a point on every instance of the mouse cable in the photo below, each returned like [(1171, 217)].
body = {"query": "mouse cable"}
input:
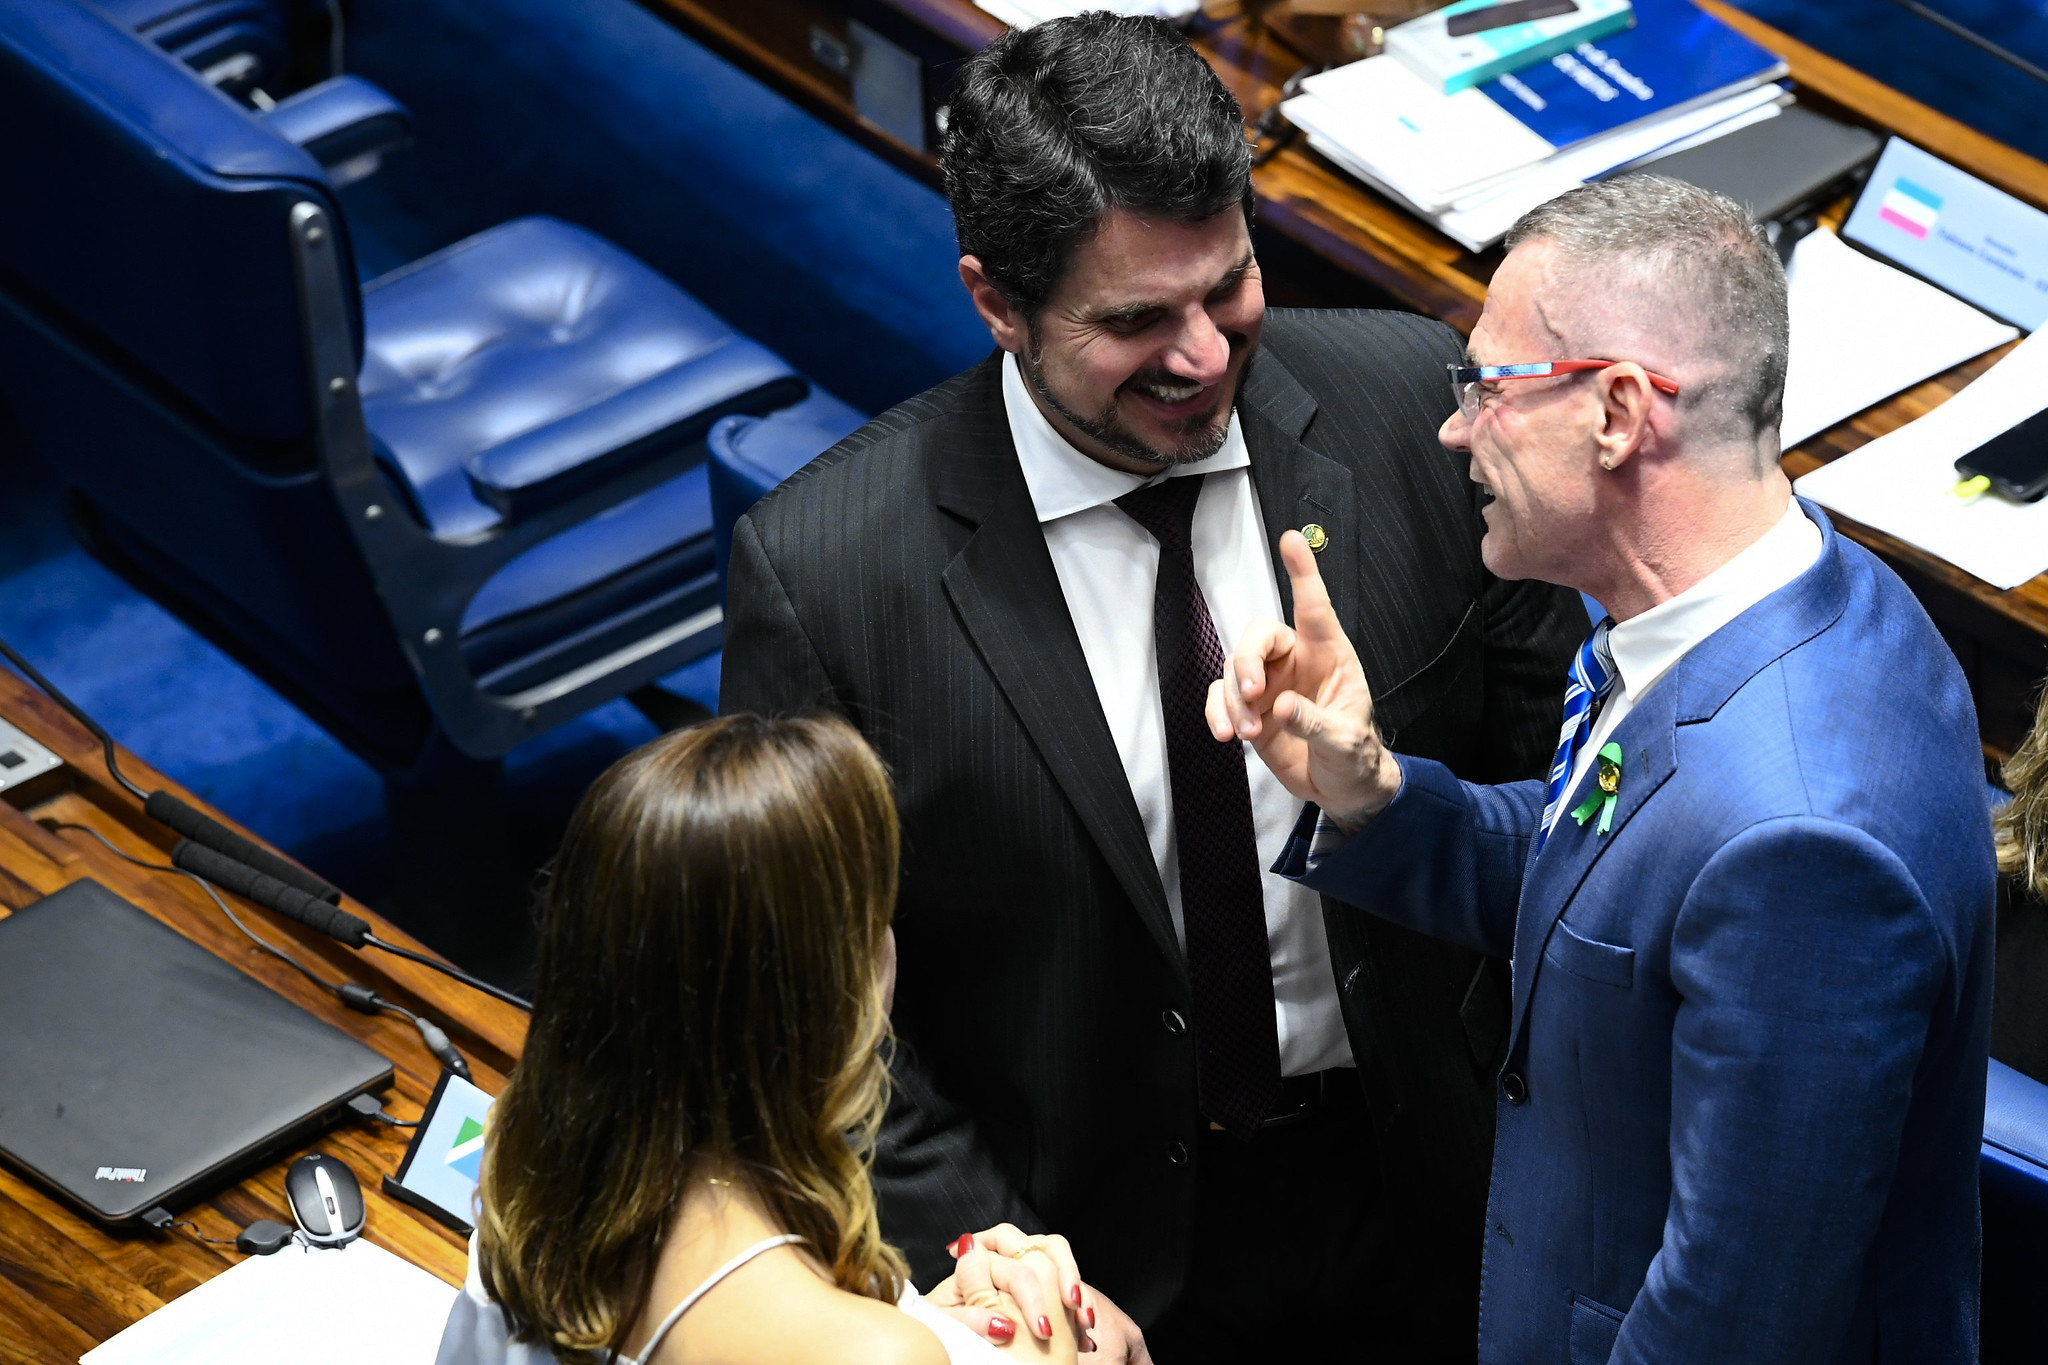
[(359, 998), (161, 806), (260, 1238)]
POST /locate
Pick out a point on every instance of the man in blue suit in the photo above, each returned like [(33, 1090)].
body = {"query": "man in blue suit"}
[(1750, 912)]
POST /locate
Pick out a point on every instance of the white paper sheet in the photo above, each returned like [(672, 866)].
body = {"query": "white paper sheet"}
[(349, 1306), (1900, 482), (1862, 331)]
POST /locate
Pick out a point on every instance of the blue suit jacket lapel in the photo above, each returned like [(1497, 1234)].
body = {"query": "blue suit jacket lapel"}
[(1695, 689)]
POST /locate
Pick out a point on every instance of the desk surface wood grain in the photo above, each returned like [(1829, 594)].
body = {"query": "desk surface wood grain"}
[(66, 1284)]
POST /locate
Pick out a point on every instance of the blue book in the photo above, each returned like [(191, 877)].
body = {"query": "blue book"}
[(1676, 56)]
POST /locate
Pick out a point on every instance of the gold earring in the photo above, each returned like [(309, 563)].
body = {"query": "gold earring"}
[(1607, 463)]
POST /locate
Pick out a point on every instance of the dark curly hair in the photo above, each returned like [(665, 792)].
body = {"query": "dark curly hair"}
[(1050, 126)]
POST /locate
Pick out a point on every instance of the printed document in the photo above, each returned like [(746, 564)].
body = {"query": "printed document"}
[(345, 1306), (1900, 482), (1862, 331)]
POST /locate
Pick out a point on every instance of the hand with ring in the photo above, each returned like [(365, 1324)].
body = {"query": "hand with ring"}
[(1051, 1291), (991, 1295)]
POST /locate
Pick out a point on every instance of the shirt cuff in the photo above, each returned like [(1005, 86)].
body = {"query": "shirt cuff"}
[(1329, 837)]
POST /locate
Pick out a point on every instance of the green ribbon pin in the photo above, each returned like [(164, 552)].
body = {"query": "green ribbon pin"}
[(1606, 789)]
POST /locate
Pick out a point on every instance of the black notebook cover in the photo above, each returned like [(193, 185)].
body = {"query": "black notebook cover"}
[(1778, 167), (138, 1069)]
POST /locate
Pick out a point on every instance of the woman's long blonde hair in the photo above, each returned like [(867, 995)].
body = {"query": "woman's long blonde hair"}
[(2020, 828), (707, 998)]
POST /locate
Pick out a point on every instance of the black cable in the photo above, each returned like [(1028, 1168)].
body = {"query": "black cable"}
[(248, 869), (367, 1107), (168, 809), (1974, 39), (359, 998), (260, 1238), (28, 670), (160, 1219), (1273, 124), (474, 983)]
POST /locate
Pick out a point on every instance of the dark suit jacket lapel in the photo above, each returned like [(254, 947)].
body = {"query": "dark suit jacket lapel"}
[(1297, 487), (1008, 595)]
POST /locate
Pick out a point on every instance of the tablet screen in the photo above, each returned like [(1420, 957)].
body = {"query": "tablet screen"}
[(445, 1161)]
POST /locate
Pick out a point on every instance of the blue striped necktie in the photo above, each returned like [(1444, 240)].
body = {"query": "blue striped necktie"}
[(1591, 679)]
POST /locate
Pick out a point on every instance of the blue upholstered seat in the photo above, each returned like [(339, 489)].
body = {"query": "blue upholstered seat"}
[(750, 455), (493, 368), (237, 45), (2014, 1180), (470, 497), (2016, 1140)]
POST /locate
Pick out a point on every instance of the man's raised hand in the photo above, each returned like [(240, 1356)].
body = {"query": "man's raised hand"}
[(1300, 698)]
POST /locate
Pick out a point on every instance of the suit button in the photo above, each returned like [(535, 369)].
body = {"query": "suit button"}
[(1514, 1087), (1174, 1023), (1176, 1153)]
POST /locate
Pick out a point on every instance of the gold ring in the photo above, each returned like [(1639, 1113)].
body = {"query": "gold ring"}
[(1031, 1245)]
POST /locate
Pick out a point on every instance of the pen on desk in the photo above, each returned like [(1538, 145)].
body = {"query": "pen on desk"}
[(1971, 488)]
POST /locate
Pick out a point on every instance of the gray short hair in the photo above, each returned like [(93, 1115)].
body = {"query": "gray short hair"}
[(1697, 252)]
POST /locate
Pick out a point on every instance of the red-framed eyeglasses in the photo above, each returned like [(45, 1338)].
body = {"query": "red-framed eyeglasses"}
[(1466, 379)]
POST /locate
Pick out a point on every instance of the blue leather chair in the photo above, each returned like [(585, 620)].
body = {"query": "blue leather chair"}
[(467, 500), (238, 46), (751, 455), (2014, 1180)]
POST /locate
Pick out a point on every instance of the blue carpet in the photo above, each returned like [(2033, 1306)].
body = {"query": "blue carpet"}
[(1933, 66), (601, 114)]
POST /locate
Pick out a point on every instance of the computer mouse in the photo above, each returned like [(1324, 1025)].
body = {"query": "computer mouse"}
[(325, 1199)]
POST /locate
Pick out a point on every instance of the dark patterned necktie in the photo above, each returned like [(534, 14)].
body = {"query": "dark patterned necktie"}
[(1223, 909)]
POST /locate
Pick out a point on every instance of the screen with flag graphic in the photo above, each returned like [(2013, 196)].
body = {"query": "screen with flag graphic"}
[(1947, 226), (445, 1161)]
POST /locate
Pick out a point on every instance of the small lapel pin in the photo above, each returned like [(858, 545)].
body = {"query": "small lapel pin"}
[(1316, 537), (1606, 789)]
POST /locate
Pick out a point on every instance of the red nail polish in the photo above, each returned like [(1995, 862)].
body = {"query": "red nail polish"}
[(1074, 1296), (961, 1246), (1002, 1327), (1044, 1325), (1091, 1317)]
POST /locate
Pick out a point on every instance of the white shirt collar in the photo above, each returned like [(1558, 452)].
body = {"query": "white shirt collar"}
[(1064, 481), (1646, 646)]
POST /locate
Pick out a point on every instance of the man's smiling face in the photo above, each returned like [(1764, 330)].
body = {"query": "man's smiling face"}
[(1137, 354)]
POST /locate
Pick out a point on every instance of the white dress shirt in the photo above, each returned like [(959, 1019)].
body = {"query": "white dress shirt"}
[(1107, 567), (1645, 647)]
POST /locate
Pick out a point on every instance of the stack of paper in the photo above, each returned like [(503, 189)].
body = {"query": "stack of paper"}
[(1475, 161), (355, 1305), (1025, 13), (1900, 482), (1863, 330)]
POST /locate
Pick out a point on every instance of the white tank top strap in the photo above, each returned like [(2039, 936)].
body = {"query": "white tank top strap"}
[(710, 1283)]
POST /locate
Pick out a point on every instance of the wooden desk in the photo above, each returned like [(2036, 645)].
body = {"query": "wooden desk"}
[(65, 1284), (1325, 239)]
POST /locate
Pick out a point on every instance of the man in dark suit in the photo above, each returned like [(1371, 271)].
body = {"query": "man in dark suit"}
[(1263, 1130), (1750, 911)]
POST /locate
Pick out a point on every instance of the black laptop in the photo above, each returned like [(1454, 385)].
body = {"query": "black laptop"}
[(137, 1069), (1778, 169)]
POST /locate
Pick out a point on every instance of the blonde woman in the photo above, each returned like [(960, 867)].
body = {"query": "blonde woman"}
[(677, 1170), (2019, 1012)]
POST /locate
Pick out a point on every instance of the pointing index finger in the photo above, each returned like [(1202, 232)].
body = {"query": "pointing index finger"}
[(1313, 614)]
